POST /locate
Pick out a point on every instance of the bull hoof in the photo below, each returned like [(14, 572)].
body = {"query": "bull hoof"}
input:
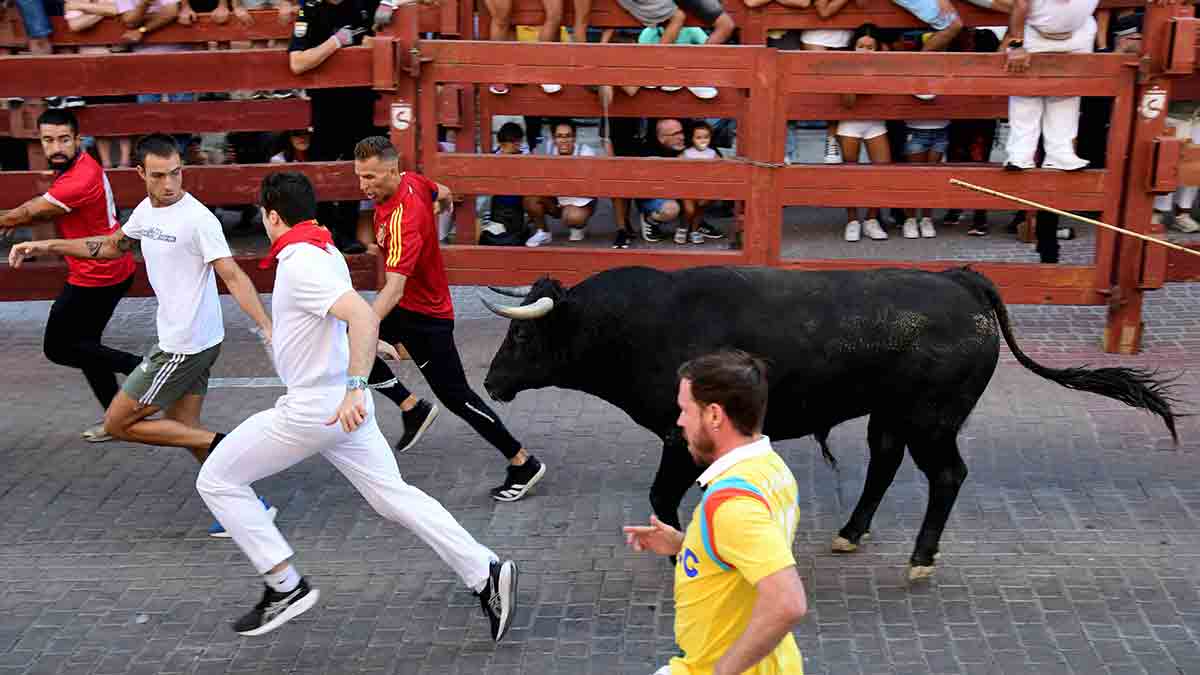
[(919, 572), (843, 545)]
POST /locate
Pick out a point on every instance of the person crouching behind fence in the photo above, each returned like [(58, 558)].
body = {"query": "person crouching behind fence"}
[(1048, 26)]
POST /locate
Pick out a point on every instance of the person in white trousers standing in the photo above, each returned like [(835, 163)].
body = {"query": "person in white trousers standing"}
[(1046, 26), (326, 410)]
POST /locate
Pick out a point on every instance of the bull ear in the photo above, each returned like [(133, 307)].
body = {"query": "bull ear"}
[(540, 307)]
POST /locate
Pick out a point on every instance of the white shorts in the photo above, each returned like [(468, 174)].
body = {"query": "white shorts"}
[(865, 129), (575, 201), (827, 37)]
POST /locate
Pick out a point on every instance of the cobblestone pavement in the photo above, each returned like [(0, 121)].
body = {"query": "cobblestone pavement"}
[(1074, 548)]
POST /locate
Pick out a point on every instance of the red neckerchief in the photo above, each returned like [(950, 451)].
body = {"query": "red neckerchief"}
[(307, 232)]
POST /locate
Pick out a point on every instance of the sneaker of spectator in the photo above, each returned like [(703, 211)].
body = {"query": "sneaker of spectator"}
[(622, 239), (696, 238), (926, 227), (874, 230), (1185, 223), (833, 152), (681, 235), (853, 231), (539, 238), (910, 229)]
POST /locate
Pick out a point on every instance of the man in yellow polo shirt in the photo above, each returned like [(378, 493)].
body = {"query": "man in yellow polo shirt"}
[(737, 591)]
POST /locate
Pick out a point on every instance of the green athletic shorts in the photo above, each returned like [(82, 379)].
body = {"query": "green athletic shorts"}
[(162, 378)]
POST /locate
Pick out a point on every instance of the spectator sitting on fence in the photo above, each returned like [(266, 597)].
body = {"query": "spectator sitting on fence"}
[(573, 211), (36, 21), (939, 15), (853, 134), (655, 214), (143, 17), (693, 227), (500, 29), (690, 35), (504, 222)]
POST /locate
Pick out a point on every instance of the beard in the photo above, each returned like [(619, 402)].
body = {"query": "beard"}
[(59, 162), (702, 448)]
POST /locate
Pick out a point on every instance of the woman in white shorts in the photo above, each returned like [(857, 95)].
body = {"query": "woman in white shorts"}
[(824, 39), (853, 134)]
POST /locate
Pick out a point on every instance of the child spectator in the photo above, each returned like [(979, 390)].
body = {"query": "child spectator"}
[(925, 143), (699, 147)]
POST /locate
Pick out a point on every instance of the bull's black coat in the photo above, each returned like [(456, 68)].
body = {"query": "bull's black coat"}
[(913, 350)]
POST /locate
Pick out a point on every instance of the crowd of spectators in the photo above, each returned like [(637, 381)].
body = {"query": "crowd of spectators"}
[(1037, 125)]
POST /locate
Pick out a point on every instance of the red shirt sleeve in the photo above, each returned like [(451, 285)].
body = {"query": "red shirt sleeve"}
[(404, 242), (419, 182), (75, 188)]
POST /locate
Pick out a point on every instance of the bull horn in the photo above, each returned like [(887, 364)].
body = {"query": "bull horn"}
[(505, 291), (540, 307)]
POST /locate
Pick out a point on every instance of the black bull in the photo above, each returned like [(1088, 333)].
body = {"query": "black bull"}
[(914, 350)]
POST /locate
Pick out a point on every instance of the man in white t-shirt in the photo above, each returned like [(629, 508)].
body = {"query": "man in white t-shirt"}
[(327, 410), (1055, 26), (575, 212), (184, 250)]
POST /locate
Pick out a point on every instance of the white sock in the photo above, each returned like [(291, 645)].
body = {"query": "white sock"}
[(283, 581)]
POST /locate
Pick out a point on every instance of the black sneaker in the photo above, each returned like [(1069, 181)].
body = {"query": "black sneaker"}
[(519, 480), (649, 229), (276, 609), (499, 597), (416, 422), (621, 240), (952, 218), (710, 231)]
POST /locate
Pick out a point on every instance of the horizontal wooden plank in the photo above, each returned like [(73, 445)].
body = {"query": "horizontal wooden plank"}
[(230, 70), (927, 186), (1020, 283), (129, 119), (532, 63), (810, 106), (480, 265), (44, 280), (266, 26), (1183, 266), (593, 177), (580, 102), (943, 73), (216, 185)]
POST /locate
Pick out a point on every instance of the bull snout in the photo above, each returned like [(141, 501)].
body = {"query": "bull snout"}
[(497, 392)]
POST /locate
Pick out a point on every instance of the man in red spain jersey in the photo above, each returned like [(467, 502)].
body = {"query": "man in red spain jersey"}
[(81, 202), (414, 303)]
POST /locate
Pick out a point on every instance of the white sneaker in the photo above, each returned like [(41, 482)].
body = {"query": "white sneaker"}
[(671, 88), (681, 235), (697, 238), (551, 88), (910, 229), (853, 230), (704, 93), (96, 433), (833, 151), (540, 237), (1068, 164), (926, 227), (576, 234), (874, 230), (925, 97), (1185, 223)]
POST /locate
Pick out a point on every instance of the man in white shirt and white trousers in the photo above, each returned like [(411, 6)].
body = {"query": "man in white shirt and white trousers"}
[(1047, 26), (326, 410)]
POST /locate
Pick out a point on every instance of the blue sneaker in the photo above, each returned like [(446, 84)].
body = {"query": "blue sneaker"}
[(217, 532)]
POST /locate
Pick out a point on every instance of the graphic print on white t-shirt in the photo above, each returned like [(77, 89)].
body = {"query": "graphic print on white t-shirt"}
[(179, 243), (310, 345)]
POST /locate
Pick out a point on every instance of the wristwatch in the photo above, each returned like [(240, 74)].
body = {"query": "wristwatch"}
[(355, 382), (1015, 44)]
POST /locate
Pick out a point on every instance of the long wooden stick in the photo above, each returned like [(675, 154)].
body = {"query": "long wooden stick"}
[(1068, 214)]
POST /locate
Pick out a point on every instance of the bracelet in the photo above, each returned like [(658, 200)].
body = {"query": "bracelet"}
[(354, 382)]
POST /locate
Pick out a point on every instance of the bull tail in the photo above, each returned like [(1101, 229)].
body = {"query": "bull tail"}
[(1132, 386)]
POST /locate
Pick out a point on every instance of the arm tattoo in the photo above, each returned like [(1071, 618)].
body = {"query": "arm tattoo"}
[(126, 244), (94, 246)]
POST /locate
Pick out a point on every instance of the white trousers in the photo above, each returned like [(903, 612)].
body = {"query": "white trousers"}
[(1185, 196), (1054, 118), (294, 430)]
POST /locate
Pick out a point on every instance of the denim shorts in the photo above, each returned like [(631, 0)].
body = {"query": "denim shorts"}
[(930, 12), (37, 22), (920, 140)]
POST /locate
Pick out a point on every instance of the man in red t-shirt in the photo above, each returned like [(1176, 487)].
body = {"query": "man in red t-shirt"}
[(81, 202), (415, 308)]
